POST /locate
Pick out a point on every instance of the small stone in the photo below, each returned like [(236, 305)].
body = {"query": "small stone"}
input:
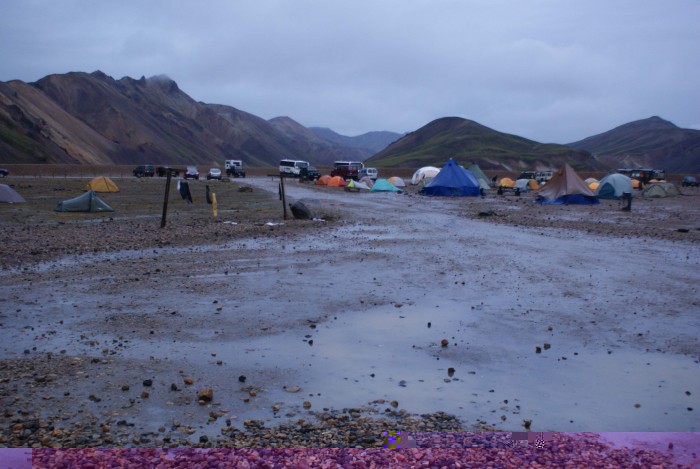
[(241, 379), (450, 372), (538, 349), (219, 362), (125, 388), (307, 405), (148, 382), (394, 403), (253, 393), (547, 346), (188, 381), (637, 405), (173, 387), (206, 394), (292, 388), (444, 342), (276, 408), (527, 423), (145, 394)]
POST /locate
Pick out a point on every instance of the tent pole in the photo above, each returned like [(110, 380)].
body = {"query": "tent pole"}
[(165, 199)]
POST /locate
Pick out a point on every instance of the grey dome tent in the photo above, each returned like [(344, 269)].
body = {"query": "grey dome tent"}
[(613, 186), (10, 196), (88, 202)]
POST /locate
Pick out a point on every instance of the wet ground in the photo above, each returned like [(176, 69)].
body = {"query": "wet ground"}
[(355, 316)]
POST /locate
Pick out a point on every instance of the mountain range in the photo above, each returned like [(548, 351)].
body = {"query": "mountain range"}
[(91, 118)]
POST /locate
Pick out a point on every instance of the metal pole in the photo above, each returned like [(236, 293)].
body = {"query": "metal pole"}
[(284, 200), (165, 199)]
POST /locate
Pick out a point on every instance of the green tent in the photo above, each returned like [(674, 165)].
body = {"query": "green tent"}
[(382, 185), (88, 202), (613, 186), (480, 176)]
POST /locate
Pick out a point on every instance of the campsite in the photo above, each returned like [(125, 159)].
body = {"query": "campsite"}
[(494, 310)]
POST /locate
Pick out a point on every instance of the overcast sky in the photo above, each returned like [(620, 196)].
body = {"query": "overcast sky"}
[(549, 70)]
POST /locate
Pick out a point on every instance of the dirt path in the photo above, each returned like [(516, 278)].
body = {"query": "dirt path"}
[(353, 315)]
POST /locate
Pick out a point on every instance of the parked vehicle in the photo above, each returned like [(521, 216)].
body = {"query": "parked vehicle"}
[(690, 181), (4, 172), (292, 167), (234, 168), (191, 173), (347, 169), (371, 173), (309, 173), (144, 170), (643, 175), (214, 173), (162, 171)]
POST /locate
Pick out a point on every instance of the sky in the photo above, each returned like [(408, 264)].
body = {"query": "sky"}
[(549, 70)]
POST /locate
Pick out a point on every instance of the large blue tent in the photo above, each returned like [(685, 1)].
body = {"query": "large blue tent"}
[(453, 181)]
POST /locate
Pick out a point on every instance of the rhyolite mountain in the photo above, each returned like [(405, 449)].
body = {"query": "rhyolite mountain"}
[(467, 141), (647, 143), (94, 119), (91, 118)]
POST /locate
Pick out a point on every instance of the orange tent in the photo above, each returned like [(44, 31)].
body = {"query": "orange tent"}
[(337, 181), (635, 183), (506, 182), (323, 180)]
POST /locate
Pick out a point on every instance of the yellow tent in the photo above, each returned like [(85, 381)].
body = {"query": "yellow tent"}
[(101, 184), (635, 183), (506, 182)]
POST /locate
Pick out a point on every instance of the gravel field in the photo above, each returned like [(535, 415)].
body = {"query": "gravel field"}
[(252, 331)]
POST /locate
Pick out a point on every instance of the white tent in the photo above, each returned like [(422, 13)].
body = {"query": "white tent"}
[(424, 172)]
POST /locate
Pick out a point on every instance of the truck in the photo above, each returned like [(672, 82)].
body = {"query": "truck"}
[(347, 169), (643, 175), (234, 168)]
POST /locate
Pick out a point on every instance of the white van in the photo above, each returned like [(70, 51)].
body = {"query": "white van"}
[(234, 168), (293, 167), (369, 172)]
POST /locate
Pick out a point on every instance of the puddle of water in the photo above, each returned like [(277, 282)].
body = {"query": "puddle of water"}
[(590, 391)]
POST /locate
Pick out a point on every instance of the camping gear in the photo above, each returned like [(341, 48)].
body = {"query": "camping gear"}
[(506, 182), (525, 185), (10, 196), (566, 188), (397, 181), (357, 185), (323, 180), (382, 185), (88, 202), (589, 181), (101, 184), (453, 181), (660, 189), (613, 186), (336, 181), (480, 176), (593, 185), (183, 187), (424, 172), (367, 181)]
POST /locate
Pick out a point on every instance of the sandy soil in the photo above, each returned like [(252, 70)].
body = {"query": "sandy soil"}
[(352, 312)]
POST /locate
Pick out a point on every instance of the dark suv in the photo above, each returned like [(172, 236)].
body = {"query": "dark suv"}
[(144, 170), (690, 181), (309, 173)]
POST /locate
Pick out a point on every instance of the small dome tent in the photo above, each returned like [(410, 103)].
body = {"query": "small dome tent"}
[(423, 173), (88, 202), (613, 186), (101, 184), (10, 196)]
